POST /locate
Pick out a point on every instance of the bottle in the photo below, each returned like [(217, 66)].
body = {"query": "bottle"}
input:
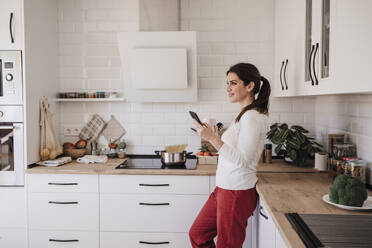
[(268, 153)]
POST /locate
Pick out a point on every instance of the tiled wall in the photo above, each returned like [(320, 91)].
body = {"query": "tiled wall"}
[(228, 31), (349, 114)]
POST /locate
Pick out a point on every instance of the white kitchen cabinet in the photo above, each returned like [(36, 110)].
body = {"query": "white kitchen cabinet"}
[(143, 240), (289, 47), (13, 226), (13, 237), (265, 228), (353, 47), (147, 213), (268, 235), (279, 241), (63, 211), (154, 184), (62, 183), (11, 23), (134, 206), (63, 239)]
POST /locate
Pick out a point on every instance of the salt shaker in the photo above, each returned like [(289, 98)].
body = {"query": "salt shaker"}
[(268, 153)]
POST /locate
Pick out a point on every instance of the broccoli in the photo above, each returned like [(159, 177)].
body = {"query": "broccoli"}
[(348, 191)]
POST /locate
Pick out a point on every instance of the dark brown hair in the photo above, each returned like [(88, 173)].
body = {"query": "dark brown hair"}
[(248, 73)]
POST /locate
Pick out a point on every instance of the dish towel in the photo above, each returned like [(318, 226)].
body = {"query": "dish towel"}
[(92, 129), (91, 159), (56, 162), (113, 130)]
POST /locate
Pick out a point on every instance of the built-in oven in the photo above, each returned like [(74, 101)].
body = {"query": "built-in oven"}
[(11, 146), (11, 78)]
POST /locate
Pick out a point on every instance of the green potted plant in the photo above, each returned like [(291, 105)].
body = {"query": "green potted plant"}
[(293, 142)]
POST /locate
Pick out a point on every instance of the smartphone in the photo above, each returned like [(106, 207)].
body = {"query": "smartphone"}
[(195, 117)]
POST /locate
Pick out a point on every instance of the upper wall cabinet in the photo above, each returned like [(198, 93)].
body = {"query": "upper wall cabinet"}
[(11, 25), (330, 46), (289, 46), (353, 46)]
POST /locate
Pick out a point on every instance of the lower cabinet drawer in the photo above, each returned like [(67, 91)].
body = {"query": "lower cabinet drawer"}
[(63, 211), (149, 213), (13, 238), (144, 240), (63, 239)]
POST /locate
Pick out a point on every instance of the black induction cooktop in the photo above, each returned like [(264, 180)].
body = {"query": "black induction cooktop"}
[(149, 161)]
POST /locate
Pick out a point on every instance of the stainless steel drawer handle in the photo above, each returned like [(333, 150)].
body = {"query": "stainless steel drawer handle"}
[(154, 243), (63, 203), (154, 204), (262, 214), (62, 183), (63, 240), (154, 185)]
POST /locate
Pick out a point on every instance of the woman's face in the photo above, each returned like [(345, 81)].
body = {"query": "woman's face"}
[(236, 90)]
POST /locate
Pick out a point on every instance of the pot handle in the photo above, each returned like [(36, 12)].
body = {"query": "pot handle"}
[(188, 153), (157, 153)]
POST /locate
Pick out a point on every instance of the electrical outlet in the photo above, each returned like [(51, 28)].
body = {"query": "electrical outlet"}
[(67, 131), (75, 131), (71, 131)]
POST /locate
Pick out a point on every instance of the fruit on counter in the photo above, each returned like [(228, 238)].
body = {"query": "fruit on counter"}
[(81, 144), (112, 145), (68, 145), (206, 154), (200, 154), (214, 154), (348, 191)]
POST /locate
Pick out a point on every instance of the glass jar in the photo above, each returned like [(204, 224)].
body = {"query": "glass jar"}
[(341, 151), (358, 169)]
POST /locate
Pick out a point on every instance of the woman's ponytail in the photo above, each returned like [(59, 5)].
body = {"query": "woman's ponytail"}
[(248, 73)]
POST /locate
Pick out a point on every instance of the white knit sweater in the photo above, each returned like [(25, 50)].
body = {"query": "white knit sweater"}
[(239, 155)]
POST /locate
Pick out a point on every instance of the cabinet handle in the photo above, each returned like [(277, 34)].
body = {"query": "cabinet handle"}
[(154, 243), (262, 214), (311, 55), (155, 185), (62, 183), (65, 203), (11, 27), (316, 50), (154, 204), (285, 70), (63, 240), (281, 70)]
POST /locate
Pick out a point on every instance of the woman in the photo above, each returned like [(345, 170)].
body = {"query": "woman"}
[(226, 212)]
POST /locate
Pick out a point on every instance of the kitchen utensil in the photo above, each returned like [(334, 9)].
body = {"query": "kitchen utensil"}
[(367, 205), (173, 158), (175, 148)]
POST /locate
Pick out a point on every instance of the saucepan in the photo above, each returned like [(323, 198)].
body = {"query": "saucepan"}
[(170, 158)]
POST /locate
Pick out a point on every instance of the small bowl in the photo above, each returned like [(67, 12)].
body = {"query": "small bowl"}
[(75, 153)]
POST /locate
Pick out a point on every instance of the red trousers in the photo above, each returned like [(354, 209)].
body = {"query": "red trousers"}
[(225, 215)]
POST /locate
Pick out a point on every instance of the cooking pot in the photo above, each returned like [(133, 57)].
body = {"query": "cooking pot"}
[(168, 158)]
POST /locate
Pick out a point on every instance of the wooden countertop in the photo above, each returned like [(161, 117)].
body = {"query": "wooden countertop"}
[(202, 169), (109, 169), (296, 193)]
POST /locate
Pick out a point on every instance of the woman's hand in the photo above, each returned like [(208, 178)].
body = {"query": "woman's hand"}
[(209, 133)]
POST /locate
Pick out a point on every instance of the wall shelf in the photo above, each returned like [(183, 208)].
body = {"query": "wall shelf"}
[(89, 99)]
